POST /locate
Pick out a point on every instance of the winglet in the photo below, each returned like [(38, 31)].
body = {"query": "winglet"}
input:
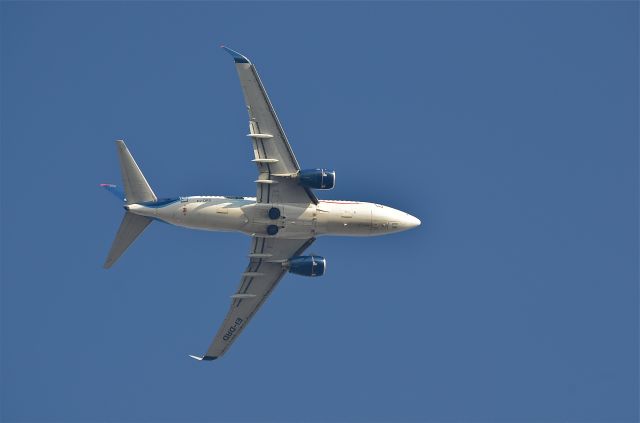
[(205, 358), (237, 57)]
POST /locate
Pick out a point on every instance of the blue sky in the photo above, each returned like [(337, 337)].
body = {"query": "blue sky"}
[(509, 128)]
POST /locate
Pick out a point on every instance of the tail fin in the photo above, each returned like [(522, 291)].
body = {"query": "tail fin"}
[(136, 187), (132, 225)]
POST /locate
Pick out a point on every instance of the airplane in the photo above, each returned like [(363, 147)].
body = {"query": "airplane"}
[(283, 219)]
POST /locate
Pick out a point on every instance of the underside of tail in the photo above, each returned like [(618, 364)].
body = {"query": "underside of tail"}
[(136, 190)]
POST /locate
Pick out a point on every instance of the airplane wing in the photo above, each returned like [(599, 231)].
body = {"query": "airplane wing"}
[(262, 275), (277, 165)]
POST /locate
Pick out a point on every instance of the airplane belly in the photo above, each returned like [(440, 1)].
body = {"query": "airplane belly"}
[(206, 215), (344, 218), (299, 221), (292, 221)]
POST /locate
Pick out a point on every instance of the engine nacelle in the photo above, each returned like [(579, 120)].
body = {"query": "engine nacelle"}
[(307, 265), (317, 178)]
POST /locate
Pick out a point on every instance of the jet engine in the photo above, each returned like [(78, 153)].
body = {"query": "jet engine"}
[(317, 178), (307, 265)]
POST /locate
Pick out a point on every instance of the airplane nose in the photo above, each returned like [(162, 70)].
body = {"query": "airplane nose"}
[(413, 221), (410, 222), (388, 220)]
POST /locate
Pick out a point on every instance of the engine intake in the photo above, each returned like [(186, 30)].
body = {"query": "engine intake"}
[(317, 178), (308, 265)]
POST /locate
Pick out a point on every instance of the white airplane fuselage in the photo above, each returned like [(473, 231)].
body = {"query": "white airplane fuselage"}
[(283, 219), (295, 221)]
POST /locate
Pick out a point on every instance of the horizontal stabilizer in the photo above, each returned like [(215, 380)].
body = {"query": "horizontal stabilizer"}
[(132, 225), (113, 189)]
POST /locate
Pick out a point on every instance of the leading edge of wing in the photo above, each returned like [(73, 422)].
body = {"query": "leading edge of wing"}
[(237, 57)]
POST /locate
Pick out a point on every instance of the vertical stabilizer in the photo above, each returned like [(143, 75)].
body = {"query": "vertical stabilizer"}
[(136, 187), (132, 225)]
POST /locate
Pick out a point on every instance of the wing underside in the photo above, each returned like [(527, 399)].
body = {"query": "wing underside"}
[(277, 182), (263, 273), (277, 165)]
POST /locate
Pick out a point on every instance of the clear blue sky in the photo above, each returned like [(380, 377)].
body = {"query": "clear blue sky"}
[(509, 128)]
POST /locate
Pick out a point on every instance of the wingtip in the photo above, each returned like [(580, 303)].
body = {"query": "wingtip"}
[(237, 57), (204, 358)]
